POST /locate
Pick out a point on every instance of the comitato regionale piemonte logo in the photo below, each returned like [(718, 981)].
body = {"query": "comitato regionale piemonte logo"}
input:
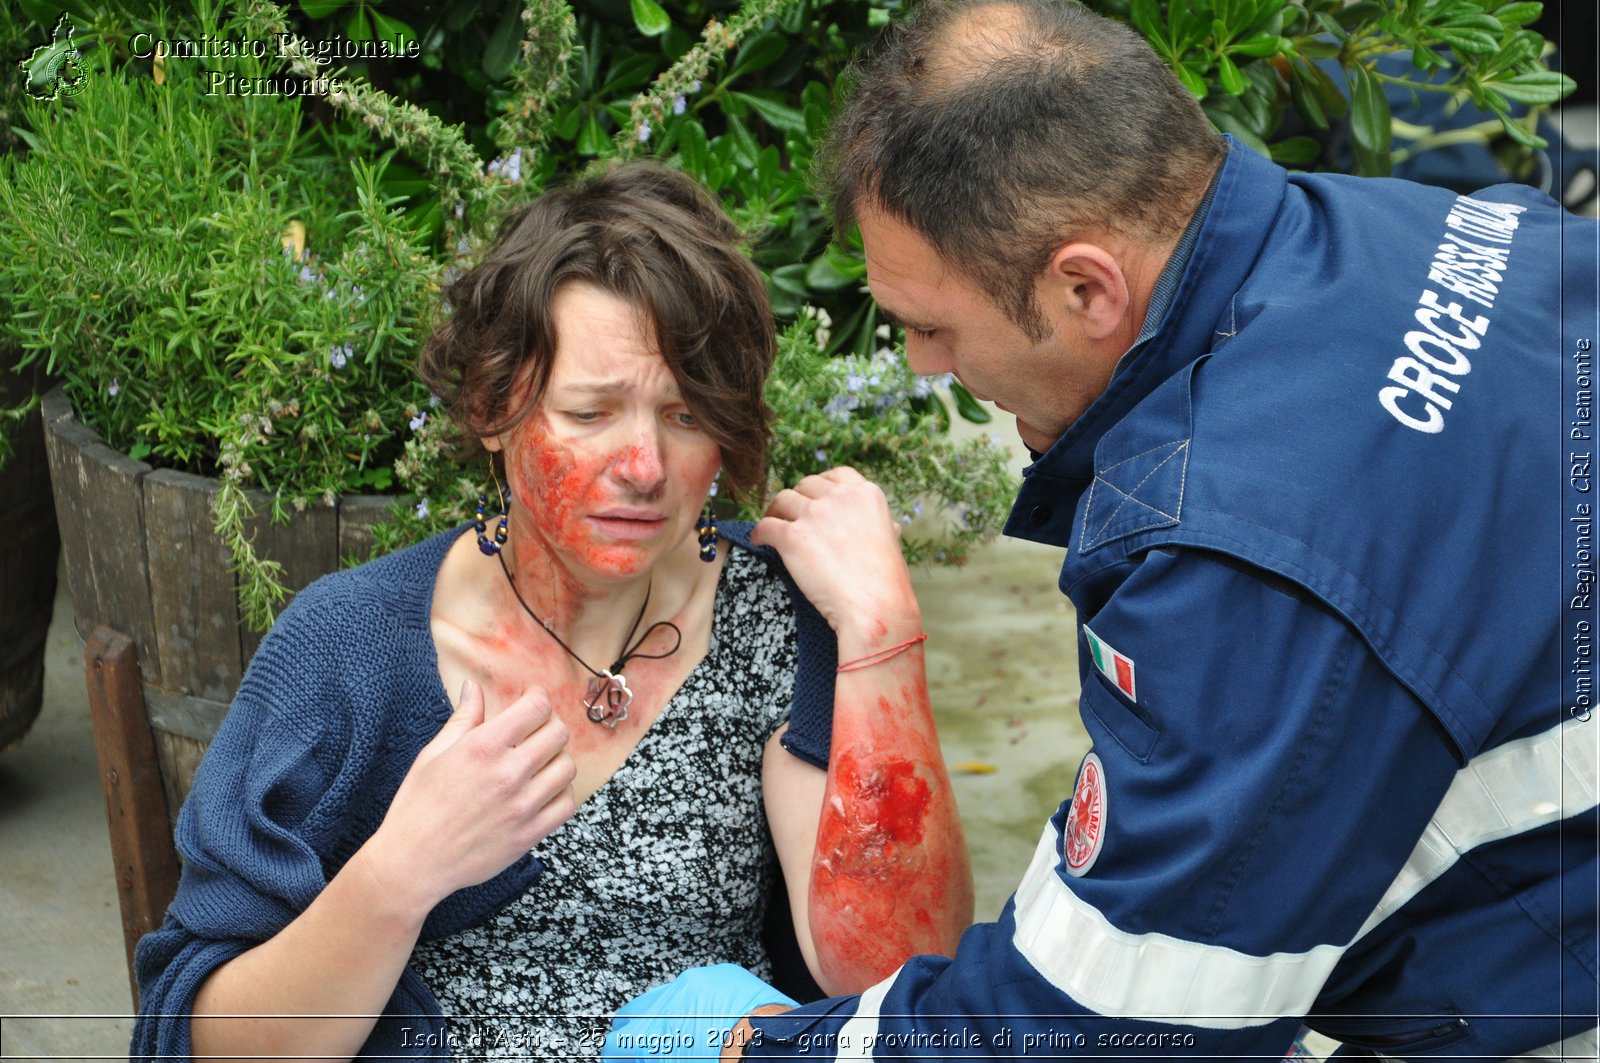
[(56, 69)]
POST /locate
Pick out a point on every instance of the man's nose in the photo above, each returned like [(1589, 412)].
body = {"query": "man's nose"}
[(927, 357)]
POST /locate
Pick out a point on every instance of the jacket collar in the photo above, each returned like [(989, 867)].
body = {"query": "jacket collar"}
[(1244, 199)]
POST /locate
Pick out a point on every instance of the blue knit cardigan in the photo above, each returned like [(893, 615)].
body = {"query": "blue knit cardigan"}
[(336, 704)]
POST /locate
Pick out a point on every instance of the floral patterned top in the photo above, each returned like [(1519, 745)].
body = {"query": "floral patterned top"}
[(667, 866)]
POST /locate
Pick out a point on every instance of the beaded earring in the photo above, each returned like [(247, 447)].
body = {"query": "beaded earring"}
[(706, 526), (490, 547), (706, 529)]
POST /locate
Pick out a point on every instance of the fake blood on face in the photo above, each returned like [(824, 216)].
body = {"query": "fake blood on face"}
[(613, 511), (559, 489), (610, 468)]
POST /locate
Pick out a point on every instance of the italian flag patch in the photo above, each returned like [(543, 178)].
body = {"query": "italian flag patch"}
[(1114, 666)]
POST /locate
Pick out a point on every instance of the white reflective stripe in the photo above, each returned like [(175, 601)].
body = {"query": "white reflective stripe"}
[(1578, 1046), (860, 1031), (1153, 976), (1511, 789)]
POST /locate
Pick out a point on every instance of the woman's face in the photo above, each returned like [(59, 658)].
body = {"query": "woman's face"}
[(611, 469)]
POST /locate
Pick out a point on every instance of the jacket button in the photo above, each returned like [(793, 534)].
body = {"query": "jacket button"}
[(1040, 516)]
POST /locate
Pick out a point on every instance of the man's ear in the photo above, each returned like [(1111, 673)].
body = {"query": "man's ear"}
[(1087, 281)]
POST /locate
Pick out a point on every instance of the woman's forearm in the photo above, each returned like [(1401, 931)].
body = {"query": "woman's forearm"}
[(479, 795), (890, 873), (342, 956)]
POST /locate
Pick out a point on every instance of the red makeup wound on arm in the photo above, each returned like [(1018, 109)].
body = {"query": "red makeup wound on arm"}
[(878, 807), (888, 852)]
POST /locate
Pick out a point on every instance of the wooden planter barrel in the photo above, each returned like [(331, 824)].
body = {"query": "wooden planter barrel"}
[(141, 557), (28, 547)]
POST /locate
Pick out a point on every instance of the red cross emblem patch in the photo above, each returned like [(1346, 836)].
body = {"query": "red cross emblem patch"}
[(1086, 819)]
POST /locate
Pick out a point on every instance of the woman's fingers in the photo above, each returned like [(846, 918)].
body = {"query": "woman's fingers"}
[(542, 747), (792, 502), (521, 719), (558, 803), (468, 715), (819, 484), (485, 793), (841, 545), (787, 504)]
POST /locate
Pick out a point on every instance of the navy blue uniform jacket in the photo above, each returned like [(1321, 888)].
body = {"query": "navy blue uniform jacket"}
[(1329, 536)]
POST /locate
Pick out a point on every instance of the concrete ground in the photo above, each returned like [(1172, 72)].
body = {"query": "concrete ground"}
[(64, 990)]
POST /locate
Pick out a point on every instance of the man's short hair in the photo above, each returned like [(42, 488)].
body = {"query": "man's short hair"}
[(1001, 129)]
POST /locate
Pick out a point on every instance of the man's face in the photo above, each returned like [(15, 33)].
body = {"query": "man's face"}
[(953, 327)]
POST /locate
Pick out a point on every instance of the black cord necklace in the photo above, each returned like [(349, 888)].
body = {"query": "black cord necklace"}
[(607, 699)]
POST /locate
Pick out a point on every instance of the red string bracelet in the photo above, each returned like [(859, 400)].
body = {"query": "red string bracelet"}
[(882, 655)]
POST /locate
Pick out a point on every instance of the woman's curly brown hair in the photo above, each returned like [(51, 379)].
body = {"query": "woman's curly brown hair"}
[(648, 235)]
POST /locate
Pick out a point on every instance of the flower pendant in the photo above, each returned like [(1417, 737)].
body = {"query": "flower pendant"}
[(608, 699)]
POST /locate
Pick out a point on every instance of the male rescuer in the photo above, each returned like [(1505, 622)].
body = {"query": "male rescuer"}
[(1310, 443)]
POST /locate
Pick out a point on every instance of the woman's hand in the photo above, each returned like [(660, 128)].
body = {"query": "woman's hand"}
[(478, 796), (841, 544)]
